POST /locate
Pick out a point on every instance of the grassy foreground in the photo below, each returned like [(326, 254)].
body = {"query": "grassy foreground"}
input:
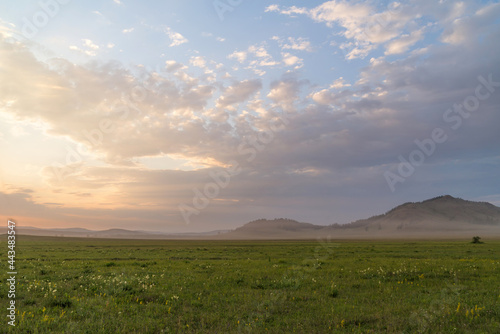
[(129, 286)]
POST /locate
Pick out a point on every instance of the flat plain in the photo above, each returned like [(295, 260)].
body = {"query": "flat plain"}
[(77, 285)]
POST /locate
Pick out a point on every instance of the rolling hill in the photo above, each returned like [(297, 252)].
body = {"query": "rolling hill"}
[(439, 217), (281, 228)]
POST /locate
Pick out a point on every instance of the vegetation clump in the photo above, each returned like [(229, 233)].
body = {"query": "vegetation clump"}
[(476, 240)]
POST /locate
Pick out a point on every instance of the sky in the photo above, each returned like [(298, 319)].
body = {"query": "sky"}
[(191, 116)]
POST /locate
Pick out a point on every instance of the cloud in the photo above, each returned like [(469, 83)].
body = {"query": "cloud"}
[(89, 44), (353, 50), (403, 43), (301, 44), (175, 37), (240, 56), (466, 29), (291, 60), (285, 92), (198, 61), (339, 83), (128, 30), (258, 58), (172, 66), (74, 101), (209, 34), (364, 27), (258, 51), (89, 48), (239, 92), (272, 8), (289, 11)]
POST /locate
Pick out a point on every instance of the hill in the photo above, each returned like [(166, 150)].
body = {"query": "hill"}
[(443, 213), (280, 228), (439, 217)]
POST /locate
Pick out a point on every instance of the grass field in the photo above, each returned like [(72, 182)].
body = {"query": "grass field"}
[(129, 286)]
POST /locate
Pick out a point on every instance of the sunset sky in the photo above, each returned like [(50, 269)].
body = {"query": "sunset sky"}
[(186, 115)]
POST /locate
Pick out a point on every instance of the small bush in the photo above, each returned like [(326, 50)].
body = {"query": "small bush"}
[(476, 240), (61, 303)]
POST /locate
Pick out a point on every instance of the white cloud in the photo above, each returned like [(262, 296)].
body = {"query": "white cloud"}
[(272, 8), (128, 31), (291, 10), (172, 66), (285, 93), (88, 47), (324, 97), (240, 56), (301, 44), (198, 61), (258, 51), (403, 43), (339, 83), (353, 50), (291, 60), (89, 44), (175, 37), (399, 26), (239, 92), (256, 56), (73, 99), (363, 27), (267, 62), (339, 11)]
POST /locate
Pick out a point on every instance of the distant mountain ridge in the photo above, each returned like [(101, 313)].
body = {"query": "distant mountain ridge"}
[(114, 233), (442, 216)]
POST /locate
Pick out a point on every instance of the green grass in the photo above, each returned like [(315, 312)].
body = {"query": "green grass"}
[(126, 286)]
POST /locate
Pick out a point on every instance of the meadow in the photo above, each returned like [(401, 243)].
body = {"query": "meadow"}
[(148, 286)]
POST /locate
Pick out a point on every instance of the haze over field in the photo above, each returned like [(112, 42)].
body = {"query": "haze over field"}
[(164, 116)]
